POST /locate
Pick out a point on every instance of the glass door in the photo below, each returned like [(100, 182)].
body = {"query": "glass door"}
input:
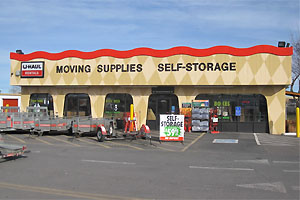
[(163, 107), (160, 104)]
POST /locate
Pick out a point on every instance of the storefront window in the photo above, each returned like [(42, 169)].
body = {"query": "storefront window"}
[(116, 106), (261, 113), (238, 108), (242, 108), (77, 105), (226, 107), (247, 104), (42, 100)]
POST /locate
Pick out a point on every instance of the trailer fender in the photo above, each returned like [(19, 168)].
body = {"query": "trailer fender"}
[(145, 129), (102, 128)]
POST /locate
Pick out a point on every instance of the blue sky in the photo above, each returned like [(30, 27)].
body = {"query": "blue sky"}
[(88, 25)]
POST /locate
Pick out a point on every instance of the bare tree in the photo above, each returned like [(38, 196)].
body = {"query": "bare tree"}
[(295, 62), (15, 90), (295, 41)]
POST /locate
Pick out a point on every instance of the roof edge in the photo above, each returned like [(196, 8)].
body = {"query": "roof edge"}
[(143, 51)]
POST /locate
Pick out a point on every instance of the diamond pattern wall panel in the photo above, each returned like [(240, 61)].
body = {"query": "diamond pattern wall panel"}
[(258, 69)]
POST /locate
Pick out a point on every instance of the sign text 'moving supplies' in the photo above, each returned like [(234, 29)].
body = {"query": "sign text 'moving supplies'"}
[(161, 67)]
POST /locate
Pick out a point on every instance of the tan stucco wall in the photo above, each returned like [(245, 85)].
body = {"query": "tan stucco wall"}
[(275, 96), (257, 69)]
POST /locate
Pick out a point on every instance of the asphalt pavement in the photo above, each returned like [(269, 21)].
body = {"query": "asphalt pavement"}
[(204, 166)]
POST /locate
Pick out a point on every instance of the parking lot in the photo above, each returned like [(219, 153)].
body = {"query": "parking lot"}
[(205, 166), (115, 143), (148, 144)]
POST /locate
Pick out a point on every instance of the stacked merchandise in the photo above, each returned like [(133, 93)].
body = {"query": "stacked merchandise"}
[(200, 115), (186, 110)]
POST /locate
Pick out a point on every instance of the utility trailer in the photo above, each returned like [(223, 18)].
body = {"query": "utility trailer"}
[(75, 125), (101, 127), (36, 120), (11, 119), (43, 122), (10, 150)]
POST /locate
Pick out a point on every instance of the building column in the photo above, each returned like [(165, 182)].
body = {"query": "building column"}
[(276, 111), (140, 100)]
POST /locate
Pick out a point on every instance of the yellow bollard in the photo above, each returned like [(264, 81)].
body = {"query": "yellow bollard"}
[(131, 112), (7, 105), (131, 118), (297, 122)]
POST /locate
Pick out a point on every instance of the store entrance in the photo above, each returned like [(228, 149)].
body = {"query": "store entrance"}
[(160, 104)]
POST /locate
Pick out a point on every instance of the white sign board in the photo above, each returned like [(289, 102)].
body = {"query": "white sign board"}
[(172, 127), (32, 69)]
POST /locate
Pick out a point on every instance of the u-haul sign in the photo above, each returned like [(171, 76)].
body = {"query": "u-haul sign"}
[(32, 69)]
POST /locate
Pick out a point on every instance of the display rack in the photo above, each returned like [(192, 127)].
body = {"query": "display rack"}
[(186, 110), (213, 124), (200, 115)]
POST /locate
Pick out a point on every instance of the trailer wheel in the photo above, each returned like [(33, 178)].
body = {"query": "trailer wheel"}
[(143, 134), (100, 136), (78, 134), (70, 132)]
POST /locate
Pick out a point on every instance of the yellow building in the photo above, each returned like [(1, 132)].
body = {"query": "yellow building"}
[(246, 85)]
